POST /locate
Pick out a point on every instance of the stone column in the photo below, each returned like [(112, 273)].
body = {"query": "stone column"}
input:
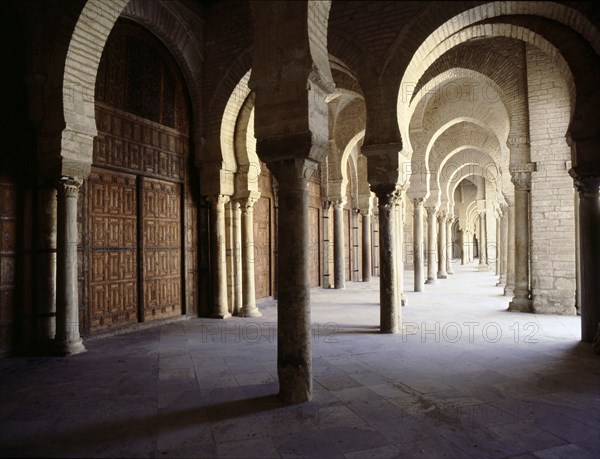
[(463, 246), (249, 308), (400, 244), (442, 252), (375, 250), (326, 246), (498, 243), (449, 246), (589, 256), (238, 280), (431, 245), (46, 330), (577, 255), (68, 341), (354, 275), (418, 245), (294, 360), (503, 249), (339, 257), (483, 264), (510, 252), (366, 246), (522, 293), (389, 316), (219, 255)]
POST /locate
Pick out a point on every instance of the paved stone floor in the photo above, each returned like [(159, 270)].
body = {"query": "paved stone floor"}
[(465, 379)]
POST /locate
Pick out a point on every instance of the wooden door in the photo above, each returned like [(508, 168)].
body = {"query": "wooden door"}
[(262, 247), (160, 236), (113, 275)]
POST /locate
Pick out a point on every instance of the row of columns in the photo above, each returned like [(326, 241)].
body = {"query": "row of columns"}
[(338, 252), (245, 297)]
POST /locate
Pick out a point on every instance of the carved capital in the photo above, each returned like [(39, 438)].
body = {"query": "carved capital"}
[(431, 211), (218, 199), (326, 204), (442, 217), (587, 186), (417, 201), (521, 180), (338, 202), (69, 187)]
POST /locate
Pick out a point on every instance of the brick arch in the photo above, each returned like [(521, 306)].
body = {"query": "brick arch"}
[(418, 103), (222, 109), (79, 81), (229, 121), (417, 68), (460, 174), (83, 57)]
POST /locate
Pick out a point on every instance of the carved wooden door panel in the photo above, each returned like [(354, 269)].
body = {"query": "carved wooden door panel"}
[(313, 245), (262, 247), (161, 248), (113, 277)]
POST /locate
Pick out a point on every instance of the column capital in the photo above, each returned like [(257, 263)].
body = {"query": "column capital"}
[(417, 201), (69, 186), (431, 211), (338, 202), (326, 204), (521, 180), (355, 211), (481, 213), (218, 199), (442, 217), (387, 195), (247, 202), (587, 186)]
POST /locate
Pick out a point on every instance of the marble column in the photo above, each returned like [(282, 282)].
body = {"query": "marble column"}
[(249, 308), (294, 353), (326, 243), (46, 261), (449, 245), (589, 256), (442, 252), (483, 264), (237, 256), (503, 249), (366, 246), (339, 257), (68, 341), (389, 315), (419, 274), (219, 256), (522, 294), (431, 245), (510, 252)]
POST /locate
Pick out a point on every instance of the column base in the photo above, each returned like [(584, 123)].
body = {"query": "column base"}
[(520, 305), (69, 347), (509, 290), (500, 284), (220, 315), (451, 273), (250, 312), (442, 276), (430, 280), (484, 267)]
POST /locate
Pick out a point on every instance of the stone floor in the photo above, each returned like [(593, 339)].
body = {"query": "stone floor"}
[(465, 379)]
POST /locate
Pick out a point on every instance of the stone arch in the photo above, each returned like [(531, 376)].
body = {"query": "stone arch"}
[(231, 155)]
